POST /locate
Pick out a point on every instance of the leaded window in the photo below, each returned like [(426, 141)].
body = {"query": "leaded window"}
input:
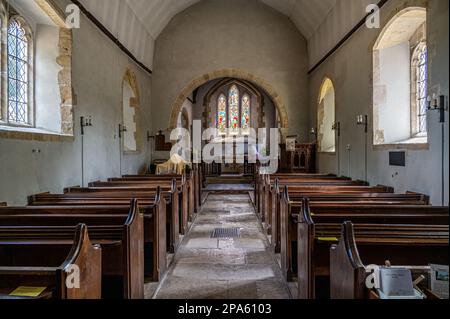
[(233, 108), (422, 88), (245, 110), (222, 114), (18, 78), (233, 112)]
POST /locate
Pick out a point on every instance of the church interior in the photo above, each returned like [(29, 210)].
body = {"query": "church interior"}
[(224, 149)]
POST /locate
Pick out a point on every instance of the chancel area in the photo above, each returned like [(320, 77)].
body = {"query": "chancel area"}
[(224, 149)]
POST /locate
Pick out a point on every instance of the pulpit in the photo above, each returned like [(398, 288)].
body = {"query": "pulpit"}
[(302, 159)]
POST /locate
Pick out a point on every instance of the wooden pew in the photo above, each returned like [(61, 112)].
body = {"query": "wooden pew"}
[(263, 183), (399, 244), (268, 189), (3, 204), (186, 190), (139, 189), (33, 271), (114, 196), (186, 181), (187, 209), (193, 179), (117, 229), (376, 194), (276, 195), (152, 205), (317, 230)]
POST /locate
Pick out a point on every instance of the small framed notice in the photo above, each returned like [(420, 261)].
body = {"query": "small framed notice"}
[(439, 280)]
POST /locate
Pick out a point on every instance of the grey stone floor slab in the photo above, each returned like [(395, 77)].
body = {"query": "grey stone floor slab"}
[(231, 268)]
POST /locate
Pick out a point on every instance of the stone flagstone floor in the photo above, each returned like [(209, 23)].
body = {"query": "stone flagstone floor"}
[(238, 268)]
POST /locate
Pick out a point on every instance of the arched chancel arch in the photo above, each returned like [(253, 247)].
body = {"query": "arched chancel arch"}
[(230, 73)]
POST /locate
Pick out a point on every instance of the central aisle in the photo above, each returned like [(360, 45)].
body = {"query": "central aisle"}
[(228, 268)]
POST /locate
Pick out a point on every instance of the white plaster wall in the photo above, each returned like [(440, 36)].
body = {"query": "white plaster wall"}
[(98, 69), (350, 68), (340, 20), (240, 34), (47, 95)]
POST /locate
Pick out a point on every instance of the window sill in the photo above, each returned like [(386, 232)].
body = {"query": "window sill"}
[(415, 143), (32, 134)]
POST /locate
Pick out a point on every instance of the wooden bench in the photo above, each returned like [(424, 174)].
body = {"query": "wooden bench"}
[(268, 190), (48, 265), (296, 196), (266, 181), (186, 182), (153, 222), (317, 231), (400, 244), (193, 179), (117, 229), (187, 211), (280, 196)]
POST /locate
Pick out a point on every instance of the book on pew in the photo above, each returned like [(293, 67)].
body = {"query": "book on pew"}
[(397, 283), (24, 291)]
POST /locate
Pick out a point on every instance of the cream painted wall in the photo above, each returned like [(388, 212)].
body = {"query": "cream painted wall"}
[(350, 68), (240, 34), (98, 69)]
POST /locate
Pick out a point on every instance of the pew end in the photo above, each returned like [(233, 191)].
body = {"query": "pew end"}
[(88, 258), (55, 279), (347, 271)]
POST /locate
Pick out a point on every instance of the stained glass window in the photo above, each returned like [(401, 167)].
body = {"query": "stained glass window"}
[(422, 89), (245, 115), (17, 73), (222, 114), (233, 105)]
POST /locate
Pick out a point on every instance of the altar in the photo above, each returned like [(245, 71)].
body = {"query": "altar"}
[(234, 153)]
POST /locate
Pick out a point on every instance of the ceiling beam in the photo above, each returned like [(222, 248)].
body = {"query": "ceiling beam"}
[(346, 37)]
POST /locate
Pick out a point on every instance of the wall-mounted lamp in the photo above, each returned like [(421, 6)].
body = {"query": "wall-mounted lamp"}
[(122, 129), (337, 127), (438, 103), (363, 120), (85, 122)]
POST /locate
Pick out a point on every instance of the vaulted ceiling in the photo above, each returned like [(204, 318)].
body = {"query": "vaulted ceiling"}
[(306, 14), (146, 19)]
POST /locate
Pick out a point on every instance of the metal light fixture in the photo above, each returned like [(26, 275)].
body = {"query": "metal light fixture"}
[(85, 122), (363, 120)]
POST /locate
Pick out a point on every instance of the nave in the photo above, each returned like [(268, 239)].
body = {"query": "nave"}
[(242, 267), (309, 136)]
